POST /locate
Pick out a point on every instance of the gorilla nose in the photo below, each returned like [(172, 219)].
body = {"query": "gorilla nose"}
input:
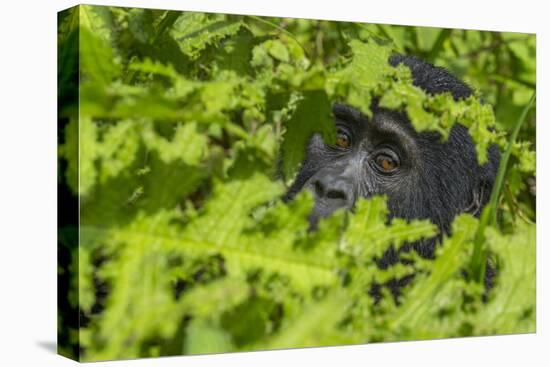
[(331, 192), (337, 191)]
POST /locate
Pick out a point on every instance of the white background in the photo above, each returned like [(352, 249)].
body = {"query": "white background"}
[(28, 182)]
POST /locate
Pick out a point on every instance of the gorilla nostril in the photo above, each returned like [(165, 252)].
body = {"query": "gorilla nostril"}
[(319, 189), (336, 194)]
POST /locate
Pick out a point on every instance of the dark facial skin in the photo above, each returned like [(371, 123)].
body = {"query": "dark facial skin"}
[(368, 158), (423, 177)]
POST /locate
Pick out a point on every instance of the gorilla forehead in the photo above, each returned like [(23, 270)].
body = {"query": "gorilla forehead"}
[(432, 79)]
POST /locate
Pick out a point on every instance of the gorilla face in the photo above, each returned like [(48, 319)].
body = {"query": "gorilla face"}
[(422, 176), (380, 156)]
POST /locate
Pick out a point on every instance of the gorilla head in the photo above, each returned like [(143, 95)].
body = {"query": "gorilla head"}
[(422, 176)]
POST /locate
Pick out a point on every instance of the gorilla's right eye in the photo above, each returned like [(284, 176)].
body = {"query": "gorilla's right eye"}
[(342, 139)]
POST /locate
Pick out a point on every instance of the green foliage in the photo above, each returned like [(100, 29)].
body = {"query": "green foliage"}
[(310, 114), (185, 246)]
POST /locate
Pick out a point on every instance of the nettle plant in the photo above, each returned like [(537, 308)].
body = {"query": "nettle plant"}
[(191, 126)]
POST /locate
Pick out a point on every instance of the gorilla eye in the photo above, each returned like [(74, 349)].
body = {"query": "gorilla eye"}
[(386, 163), (343, 140)]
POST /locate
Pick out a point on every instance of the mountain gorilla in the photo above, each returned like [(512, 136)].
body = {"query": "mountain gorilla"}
[(422, 177)]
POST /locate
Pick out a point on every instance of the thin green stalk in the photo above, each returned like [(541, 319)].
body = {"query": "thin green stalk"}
[(278, 27), (499, 182), (167, 21), (438, 44), (489, 214), (385, 38)]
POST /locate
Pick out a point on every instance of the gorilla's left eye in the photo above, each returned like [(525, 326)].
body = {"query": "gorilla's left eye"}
[(386, 162)]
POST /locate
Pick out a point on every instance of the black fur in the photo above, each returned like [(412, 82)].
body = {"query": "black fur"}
[(435, 180)]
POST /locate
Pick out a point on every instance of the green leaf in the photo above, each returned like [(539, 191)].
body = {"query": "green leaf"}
[(97, 61), (415, 311), (513, 308), (88, 152), (369, 235), (278, 50), (310, 113), (195, 31), (205, 338), (187, 144), (316, 326), (366, 70)]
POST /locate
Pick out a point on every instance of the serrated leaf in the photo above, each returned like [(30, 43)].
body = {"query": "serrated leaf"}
[(513, 308), (195, 31)]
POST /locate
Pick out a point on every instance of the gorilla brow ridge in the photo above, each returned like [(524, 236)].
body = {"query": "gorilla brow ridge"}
[(432, 79)]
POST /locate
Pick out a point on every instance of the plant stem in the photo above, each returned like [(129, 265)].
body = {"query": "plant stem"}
[(281, 29), (489, 214), (438, 44)]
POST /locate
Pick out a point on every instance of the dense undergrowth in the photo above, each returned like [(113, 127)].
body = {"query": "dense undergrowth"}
[(187, 129)]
